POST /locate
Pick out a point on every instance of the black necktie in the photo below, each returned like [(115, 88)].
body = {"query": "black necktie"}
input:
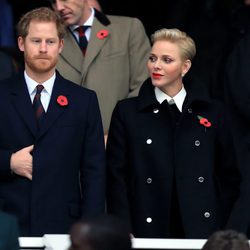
[(83, 42), (37, 104)]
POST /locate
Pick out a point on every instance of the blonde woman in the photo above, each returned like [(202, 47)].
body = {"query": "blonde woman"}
[(171, 169)]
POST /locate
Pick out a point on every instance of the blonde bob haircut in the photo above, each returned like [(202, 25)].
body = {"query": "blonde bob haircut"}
[(185, 43)]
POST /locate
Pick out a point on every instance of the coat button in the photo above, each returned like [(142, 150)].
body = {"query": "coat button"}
[(190, 111), (149, 180), (149, 220), (201, 179), (156, 110), (197, 143), (206, 214), (149, 141)]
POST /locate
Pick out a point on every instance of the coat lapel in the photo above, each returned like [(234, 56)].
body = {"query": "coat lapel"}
[(55, 110), (74, 59), (22, 103), (95, 45)]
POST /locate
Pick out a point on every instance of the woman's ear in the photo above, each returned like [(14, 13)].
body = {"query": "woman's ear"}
[(186, 66)]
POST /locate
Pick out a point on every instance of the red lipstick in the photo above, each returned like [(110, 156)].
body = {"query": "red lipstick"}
[(156, 75)]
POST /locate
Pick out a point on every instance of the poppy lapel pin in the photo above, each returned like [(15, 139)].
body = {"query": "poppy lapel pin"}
[(62, 100), (204, 121), (102, 34)]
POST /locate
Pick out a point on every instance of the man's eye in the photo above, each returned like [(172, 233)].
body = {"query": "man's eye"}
[(51, 42)]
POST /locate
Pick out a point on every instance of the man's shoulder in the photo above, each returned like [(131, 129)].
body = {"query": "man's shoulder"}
[(107, 19), (13, 79), (127, 104), (123, 19), (73, 87), (124, 26)]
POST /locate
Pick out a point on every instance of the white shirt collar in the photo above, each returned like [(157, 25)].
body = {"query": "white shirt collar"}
[(89, 22), (31, 84), (178, 99)]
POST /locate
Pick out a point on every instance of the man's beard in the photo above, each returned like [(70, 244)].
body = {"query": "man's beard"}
[(41, 63)]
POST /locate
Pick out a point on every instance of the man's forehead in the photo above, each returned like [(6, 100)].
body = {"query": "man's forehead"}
[(43, 27)]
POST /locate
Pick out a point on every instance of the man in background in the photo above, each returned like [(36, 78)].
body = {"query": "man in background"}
[(227, 240), (104, 232), (113, 61)]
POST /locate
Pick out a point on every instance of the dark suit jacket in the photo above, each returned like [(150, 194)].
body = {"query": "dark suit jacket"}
[(237, 96), (8, 232), (146, 157), (68, 157)]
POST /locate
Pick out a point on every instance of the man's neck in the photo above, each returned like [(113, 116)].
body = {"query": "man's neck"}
[(86, 14), (40, 77)]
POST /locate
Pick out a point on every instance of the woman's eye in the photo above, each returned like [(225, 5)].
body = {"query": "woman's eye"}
[(152, 59), (167, 60)]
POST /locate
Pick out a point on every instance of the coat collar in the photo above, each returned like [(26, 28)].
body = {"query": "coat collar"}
[(69, 51), (102, 18), (55, 110), (196, 93), (95, 44), (146, 96), (101, 22), (21, 101), (23, 105)]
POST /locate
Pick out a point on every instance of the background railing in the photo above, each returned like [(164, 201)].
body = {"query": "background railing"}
[(62, 242)]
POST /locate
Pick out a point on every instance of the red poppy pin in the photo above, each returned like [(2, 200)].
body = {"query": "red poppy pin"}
[(102, 34), (204, 121), (62, 100)]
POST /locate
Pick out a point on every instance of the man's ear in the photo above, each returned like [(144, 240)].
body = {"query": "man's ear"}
[(61, 44), (20, 42)]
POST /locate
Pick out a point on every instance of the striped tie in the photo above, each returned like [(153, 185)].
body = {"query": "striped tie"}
[(37, 104), (83, 42)]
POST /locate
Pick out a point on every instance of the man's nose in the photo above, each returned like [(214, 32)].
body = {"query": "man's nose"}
[(58, 5), (43, 46)]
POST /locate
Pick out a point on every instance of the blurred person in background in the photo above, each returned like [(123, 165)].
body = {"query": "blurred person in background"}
[(100, 233), (8, 232), (108, 57), (227, 240)]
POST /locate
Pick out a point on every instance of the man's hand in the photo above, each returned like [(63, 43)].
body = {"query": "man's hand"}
[(21, 162)]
